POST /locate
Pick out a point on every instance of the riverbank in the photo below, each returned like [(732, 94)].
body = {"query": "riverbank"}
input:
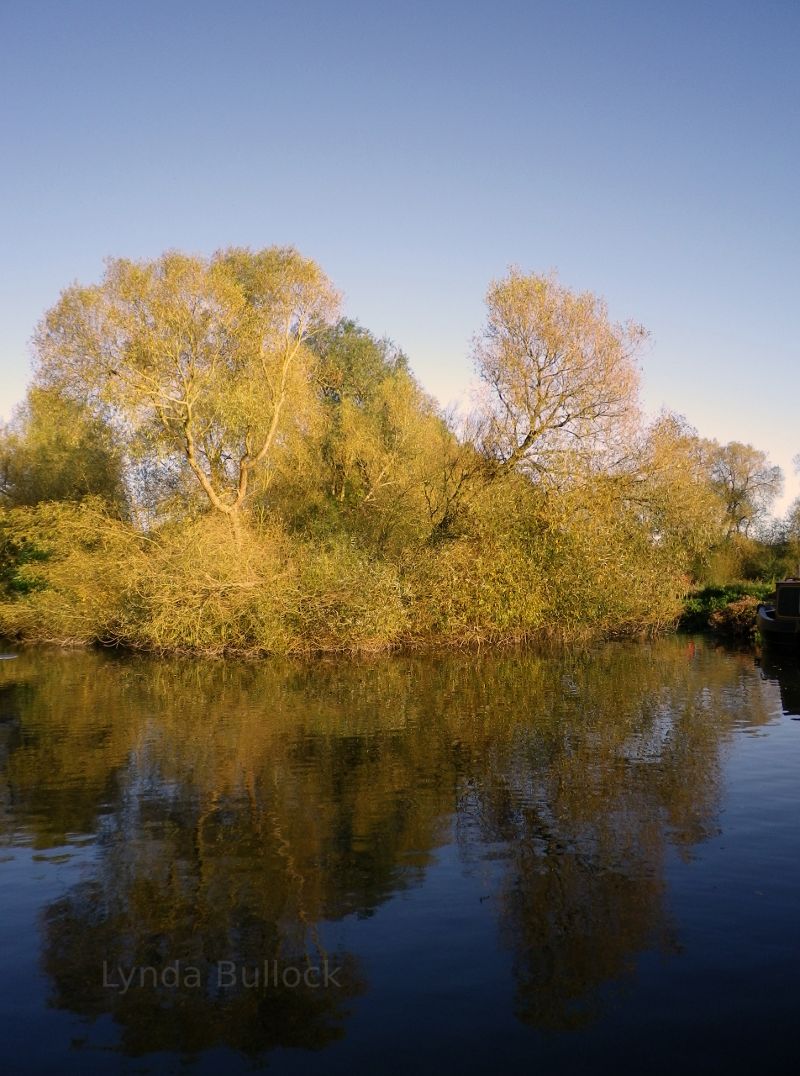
[(729, 610), (76, 576)]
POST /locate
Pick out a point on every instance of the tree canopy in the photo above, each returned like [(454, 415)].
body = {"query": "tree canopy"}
[(184, 401), (55, 449), (746, 481), (202, 364), (561, 376)]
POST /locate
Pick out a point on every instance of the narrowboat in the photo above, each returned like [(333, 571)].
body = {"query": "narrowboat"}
[(779, 621)]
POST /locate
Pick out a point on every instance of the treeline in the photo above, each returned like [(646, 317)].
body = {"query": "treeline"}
[(210, 458)]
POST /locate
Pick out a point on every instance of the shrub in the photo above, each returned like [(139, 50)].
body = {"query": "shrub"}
[(737, 619), (343, 598), (67, 570), (702, 604), (200, 590), (466, 591), (73, 574)]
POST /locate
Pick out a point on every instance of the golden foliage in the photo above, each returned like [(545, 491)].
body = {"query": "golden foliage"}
[(560, 374), (291, 487), (204, 361)]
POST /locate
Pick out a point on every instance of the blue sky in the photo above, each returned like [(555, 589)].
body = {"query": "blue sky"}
[(648, 151)]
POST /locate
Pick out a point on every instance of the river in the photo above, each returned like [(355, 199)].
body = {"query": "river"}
[(465, 862)]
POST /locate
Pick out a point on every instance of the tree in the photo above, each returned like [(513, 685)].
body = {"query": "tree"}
[(746, 481), (669, 487), (201, 365), (561, 375), (790, 537), (359, 379), (793, 520), (54, 449), (383, 441)]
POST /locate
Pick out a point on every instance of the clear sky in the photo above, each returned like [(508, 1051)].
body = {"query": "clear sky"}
[(647, 150)]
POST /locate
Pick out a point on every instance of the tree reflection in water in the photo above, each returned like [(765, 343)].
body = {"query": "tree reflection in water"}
[(238, 808)]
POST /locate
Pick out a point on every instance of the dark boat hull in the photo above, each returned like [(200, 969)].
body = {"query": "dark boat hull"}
[(777, 630)]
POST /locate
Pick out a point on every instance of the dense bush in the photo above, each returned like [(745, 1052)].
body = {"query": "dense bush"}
[(76, 574), (750, 560), (737, 619), (704, 604)]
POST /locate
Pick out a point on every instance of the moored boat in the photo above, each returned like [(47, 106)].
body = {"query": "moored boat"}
[(779, 621)]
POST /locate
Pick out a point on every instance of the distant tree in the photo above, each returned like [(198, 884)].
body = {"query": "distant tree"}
[(55, 449), (200, 364), (746, 481), (793, 517), (792, 525), (671, 486), (561, 376)]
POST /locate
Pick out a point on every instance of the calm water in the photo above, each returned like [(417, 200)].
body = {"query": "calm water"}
[(516, 863)]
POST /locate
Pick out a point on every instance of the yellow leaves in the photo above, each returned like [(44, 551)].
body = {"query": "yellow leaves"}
[(347, 510), (73, 565), (56, 450), (203, 357), (561, 374)]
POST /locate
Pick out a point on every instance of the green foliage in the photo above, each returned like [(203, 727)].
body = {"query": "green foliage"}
[(344, 598), (707, 602), (738, 619), (201, 364), (55, 449), (90, 578), (381, 441), (740, 557), (17, 556), (608, 572), (67, 572), (467, 591), (746, 482)]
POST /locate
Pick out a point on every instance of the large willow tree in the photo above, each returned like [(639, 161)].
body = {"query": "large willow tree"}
[(201, 364), (561, 376)]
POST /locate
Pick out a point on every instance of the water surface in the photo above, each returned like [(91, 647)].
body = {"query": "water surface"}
[(458, 863)]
